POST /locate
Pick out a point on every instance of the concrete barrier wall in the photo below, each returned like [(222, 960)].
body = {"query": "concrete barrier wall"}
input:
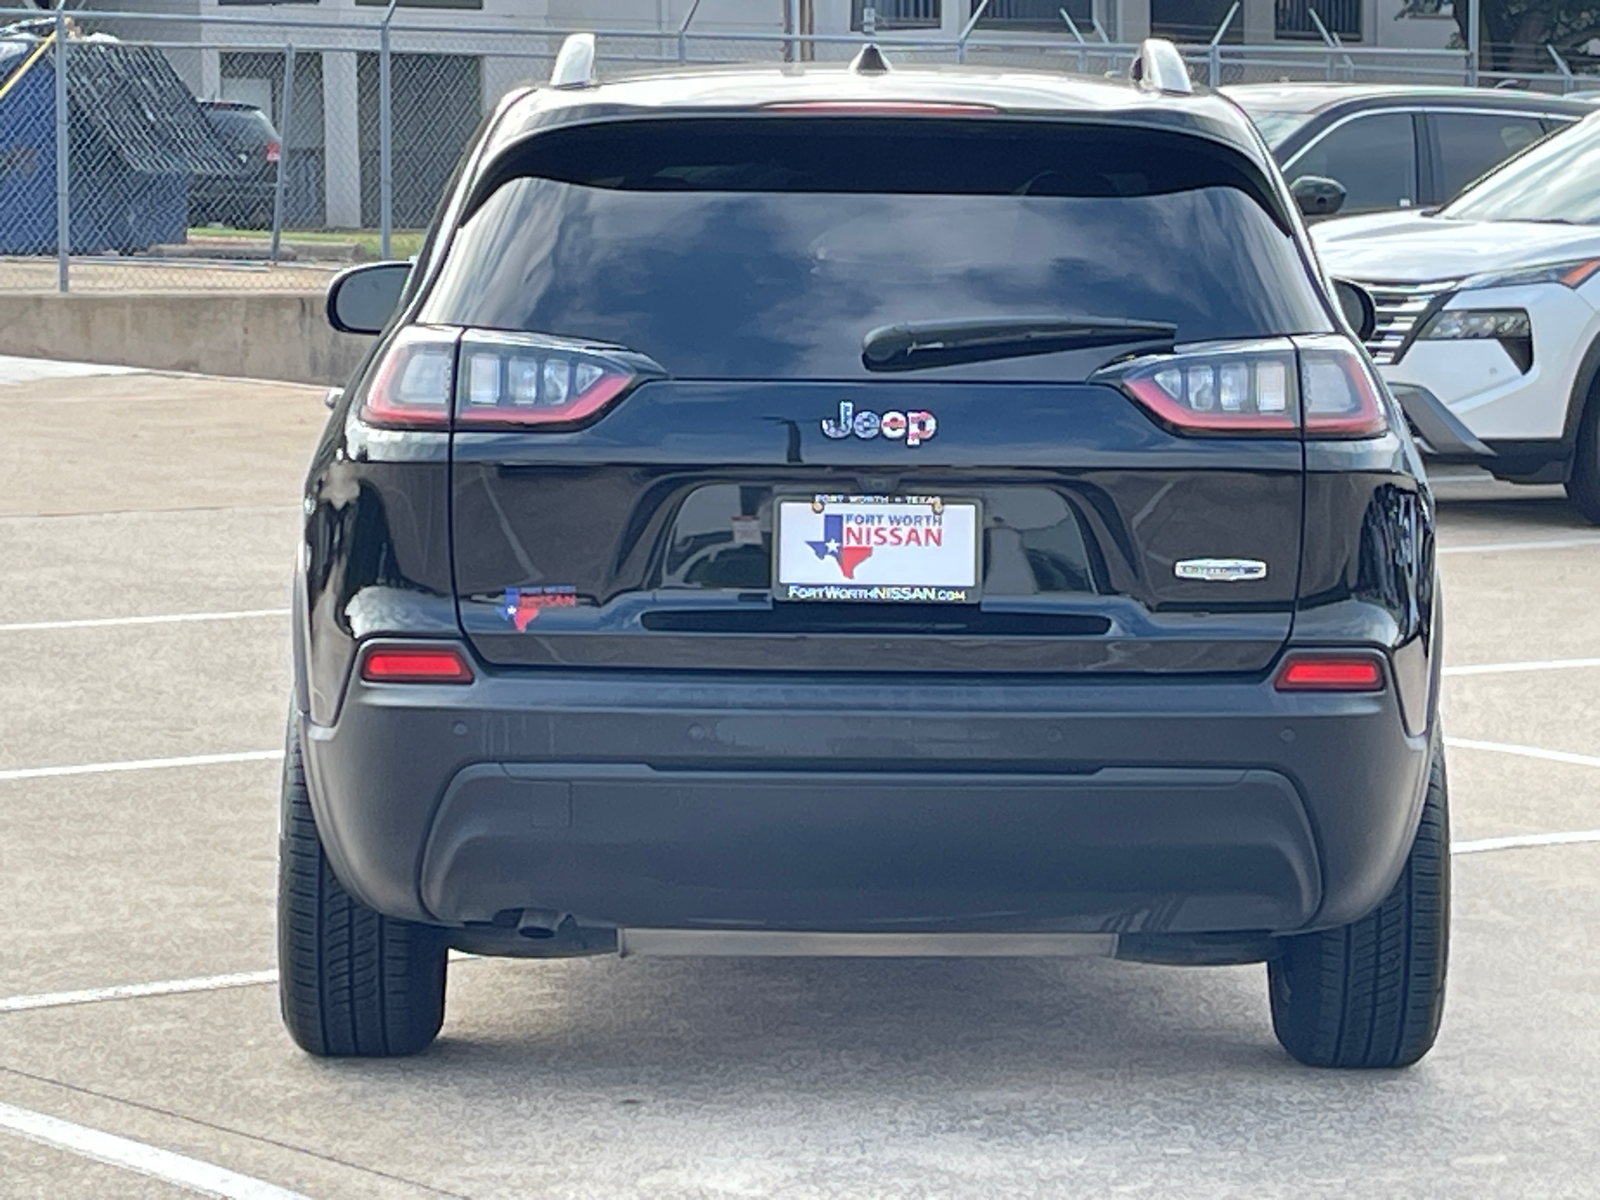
[(258, 335)]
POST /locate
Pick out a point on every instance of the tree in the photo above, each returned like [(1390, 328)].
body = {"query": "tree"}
[(1516, 32)]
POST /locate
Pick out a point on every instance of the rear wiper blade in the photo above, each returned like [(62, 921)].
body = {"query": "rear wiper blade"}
[(918, 345)]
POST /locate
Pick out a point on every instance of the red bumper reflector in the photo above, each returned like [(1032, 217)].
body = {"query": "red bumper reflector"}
[(415, 664), (1330, 673)]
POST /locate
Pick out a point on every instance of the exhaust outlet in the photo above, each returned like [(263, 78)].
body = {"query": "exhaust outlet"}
[(538, 923)]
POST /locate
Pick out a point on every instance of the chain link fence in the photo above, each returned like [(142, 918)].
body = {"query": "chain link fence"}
[(186, 151)]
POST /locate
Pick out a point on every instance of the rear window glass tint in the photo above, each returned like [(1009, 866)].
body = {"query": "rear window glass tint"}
[(768, 247), (1472, 143), (241, 128), (1374, 157)]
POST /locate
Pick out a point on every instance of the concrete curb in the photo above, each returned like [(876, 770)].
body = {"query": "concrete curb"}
[(255, 335)]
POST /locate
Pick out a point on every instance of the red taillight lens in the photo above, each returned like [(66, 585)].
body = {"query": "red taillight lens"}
[(520, 380), (1340, 395), (495, 380), (1248, 387), (274, 151), (415, 664), (1330, 673), (413, 383), (1270, 387)]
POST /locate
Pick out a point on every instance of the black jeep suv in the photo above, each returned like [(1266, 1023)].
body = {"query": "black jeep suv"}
[(853, 510)]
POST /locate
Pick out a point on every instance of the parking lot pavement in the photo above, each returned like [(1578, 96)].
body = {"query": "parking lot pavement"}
[(152, 497)]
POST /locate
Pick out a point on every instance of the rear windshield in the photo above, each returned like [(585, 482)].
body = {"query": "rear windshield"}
[(242, 128), (768, 248)]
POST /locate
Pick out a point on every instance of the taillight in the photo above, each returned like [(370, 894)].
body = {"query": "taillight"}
[(524, 379), (274, 151), (1246, 387), (1317, 671), (415, 664), (1269, 387), (1339, 393), (413, 384), (493, 380)]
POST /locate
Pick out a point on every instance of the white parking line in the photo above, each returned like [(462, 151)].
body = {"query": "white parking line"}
[(131, 991), (99, 514), (244, 614), (1560, 756), (189, 1173), (1524, 840), (1554, 664), (162, 987), (142, 764), (1544, 544), (15, 370)]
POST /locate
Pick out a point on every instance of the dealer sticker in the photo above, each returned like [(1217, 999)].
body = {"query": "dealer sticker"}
[(914, 549)]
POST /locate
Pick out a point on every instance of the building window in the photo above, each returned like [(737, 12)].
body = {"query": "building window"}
[(896, 14), (436, 103), (1340, 17), (1034, 14), (1195, 21)]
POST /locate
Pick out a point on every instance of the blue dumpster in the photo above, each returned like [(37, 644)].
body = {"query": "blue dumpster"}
[(136, 136)]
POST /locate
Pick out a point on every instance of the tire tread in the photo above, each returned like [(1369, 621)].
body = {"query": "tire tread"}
[(1371, 993), (1583, 484), (351, 981)]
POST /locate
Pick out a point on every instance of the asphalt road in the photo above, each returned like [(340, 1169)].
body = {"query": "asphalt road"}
[(125, 497)]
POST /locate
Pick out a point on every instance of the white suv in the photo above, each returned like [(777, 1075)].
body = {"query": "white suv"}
[(1488, 328)]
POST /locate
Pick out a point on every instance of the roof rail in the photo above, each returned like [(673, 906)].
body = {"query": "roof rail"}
[(575, 63), (1160, 68)]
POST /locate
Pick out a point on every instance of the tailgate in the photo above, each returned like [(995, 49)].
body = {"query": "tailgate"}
[(647, 540), (667, 371)]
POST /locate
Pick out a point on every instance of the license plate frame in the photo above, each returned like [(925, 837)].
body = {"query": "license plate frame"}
[(879, 539)]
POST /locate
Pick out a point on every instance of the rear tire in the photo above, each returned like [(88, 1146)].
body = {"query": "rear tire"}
[(1371, 993), (1583, 485), (351, 982)]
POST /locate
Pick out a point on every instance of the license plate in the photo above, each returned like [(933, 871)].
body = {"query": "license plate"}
[(900, 550)]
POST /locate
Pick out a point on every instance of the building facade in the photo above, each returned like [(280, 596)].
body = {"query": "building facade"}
[(447, 67), (1256, 22)]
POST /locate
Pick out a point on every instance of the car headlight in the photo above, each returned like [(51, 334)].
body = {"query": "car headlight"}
[(1478, 323), (1508, 326), (1572, 272)]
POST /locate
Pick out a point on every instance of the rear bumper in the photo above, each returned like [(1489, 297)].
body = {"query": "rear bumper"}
[(1118, 849), (214, 196), (697, 802)]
